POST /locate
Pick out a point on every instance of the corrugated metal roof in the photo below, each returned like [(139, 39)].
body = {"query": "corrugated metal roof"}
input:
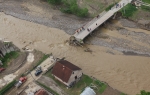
[(63, 70), (88, 91)]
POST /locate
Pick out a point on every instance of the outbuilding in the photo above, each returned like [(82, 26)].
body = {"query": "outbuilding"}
[(88, 91)]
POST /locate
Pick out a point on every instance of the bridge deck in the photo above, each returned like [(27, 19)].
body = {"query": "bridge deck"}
[(84, 31)]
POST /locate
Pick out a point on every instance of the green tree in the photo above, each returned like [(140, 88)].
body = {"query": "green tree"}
[(54, 1), (143, 92), (73, 8), (83, 12)]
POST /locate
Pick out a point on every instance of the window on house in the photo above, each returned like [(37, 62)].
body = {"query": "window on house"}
[(75, 77)]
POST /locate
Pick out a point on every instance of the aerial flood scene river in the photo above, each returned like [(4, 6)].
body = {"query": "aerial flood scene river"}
[(116, 52)]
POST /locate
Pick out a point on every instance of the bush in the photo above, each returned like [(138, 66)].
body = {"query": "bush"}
[(54, 1), (7, 87), (8, 57), (82, 12), (109, 7), (146, 8), (143, 92), (72, 8)]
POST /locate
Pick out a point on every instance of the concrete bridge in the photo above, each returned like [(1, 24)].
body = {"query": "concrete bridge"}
[(84, 31)]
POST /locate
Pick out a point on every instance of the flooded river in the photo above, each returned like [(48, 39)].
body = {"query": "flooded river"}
[(128, 74)]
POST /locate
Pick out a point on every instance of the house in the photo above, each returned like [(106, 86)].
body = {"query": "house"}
[(66, 72), (88, 91)]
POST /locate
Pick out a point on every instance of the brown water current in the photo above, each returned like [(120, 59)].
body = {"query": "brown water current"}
[(128, 74)]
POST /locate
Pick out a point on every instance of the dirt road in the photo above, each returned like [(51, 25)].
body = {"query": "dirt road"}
[(31, 76)]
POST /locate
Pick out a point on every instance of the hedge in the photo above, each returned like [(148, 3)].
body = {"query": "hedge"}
[(7, 87)]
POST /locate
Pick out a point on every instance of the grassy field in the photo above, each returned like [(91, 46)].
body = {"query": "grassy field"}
[(81, 85), (128, 10), (95, 7)]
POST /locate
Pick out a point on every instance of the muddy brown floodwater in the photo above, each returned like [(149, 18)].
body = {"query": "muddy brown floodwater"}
[(128, 74)]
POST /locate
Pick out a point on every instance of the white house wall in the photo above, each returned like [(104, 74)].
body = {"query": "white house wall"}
[(77, 73)]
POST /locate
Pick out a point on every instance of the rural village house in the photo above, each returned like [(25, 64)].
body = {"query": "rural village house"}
[(66, 72)]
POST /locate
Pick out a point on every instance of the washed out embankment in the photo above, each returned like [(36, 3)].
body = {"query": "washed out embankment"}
[(123, 39), (125, 73)]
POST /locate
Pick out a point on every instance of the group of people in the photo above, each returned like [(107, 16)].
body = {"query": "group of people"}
[(89, 29), (82, 28), (79, 30)]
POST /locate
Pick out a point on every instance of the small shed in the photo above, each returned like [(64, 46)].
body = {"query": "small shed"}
[(88, 91)]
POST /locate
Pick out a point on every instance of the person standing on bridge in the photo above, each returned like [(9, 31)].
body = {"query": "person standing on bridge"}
[(123, 4), (120, 5), (77, 31), (117, 5), (97, 16), (82, 28)]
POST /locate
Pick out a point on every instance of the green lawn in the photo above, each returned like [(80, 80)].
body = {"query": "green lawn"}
[(81, 85), (128, 10), (7, 58)]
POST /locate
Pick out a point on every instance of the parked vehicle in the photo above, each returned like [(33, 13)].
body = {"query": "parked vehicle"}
[(2, 69), (20, 82), (38, 71)]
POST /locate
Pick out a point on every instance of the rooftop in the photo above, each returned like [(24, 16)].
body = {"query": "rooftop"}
[(63, 70)]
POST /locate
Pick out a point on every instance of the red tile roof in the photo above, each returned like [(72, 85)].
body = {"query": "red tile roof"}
[(41, 92), (63, 70)]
